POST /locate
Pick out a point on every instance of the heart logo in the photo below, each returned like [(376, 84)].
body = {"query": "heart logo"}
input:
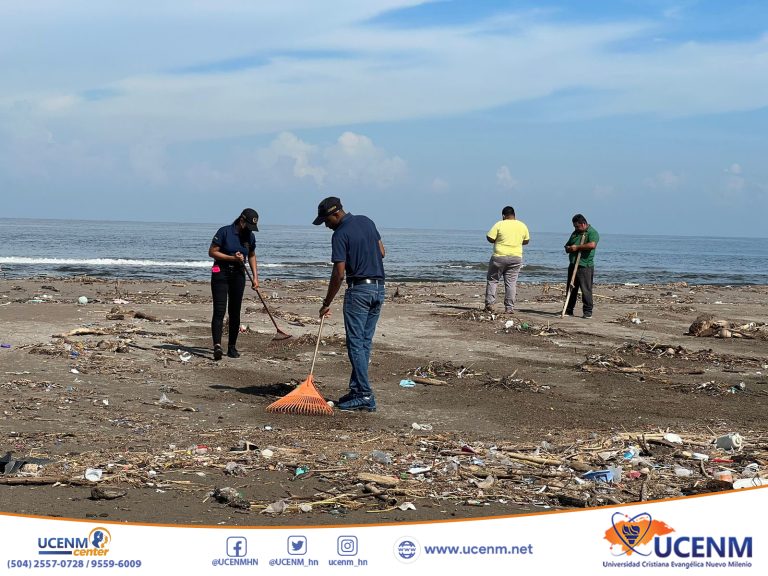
[(632, 531)]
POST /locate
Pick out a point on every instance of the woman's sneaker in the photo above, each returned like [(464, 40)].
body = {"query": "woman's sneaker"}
[(365, 403), (232, 352), (217, 352)]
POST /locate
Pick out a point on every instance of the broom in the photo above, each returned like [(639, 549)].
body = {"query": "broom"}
[(280, 334), (305, 398), (572, 283)]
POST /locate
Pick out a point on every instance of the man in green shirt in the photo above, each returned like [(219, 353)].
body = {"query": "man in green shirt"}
[(583, 241)]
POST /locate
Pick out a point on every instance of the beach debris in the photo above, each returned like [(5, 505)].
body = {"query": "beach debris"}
[(275, 508), (102, 493), (234, 469), (730, 441), (707, 325), (407, 383), (230, 497), (93, 474), (83, 300), (425, 427)]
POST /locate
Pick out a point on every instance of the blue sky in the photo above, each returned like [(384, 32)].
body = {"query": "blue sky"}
[(650, 117)]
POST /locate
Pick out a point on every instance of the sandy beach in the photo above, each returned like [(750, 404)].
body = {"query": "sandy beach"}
[(520, 406)]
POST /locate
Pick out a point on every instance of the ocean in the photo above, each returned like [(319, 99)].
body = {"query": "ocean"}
[(175, 251)]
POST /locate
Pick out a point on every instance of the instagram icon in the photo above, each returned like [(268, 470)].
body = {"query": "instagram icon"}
[(347, 546)]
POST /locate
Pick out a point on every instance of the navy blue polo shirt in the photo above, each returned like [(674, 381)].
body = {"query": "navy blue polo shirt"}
[(356, 243), (229, 241)]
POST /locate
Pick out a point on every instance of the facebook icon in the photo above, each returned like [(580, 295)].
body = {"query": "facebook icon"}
[(237, 546)]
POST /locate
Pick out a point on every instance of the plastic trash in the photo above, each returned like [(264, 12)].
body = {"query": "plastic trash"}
[(5, 345), (732, 441), (598, 475), (630, 453), (407, 383), (636, 321), (267, 453), (381, 457), (680, 471), (82, 300), (93, 474), (674, 438), (185, 356), (750, 470), (509, 324), (349, 455), (417, 426), (724, 475), (750, 482)]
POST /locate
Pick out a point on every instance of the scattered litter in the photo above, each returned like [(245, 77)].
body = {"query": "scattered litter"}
[(93, 474), (275, 508), (732, 441), (407, 506), (102, 493), (230, 497), (82, 300), (267, 453), (234, 469), (417, 426), (407, 383)]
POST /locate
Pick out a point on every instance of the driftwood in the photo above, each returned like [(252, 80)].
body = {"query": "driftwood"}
[(43, 480), (389, 481), (429, 381)]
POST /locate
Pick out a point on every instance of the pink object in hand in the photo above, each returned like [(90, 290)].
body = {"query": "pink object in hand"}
[(215, 269)]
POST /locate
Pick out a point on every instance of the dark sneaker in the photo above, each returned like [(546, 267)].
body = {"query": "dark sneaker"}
[(569, 312), (217, 352), (232, 352), (346, 398), (365, 403), (587, 316)]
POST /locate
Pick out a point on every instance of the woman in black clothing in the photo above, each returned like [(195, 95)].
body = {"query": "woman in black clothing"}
[(228, 249)]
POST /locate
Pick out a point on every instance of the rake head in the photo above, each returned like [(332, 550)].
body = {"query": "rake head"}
[(305, 399)]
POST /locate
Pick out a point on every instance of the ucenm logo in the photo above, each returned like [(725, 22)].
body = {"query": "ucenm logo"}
[(95, 544), (644, 536)]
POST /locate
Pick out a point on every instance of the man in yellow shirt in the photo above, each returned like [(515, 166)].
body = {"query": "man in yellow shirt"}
[(508, 237)]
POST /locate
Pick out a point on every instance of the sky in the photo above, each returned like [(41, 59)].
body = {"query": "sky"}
[(646, 116)]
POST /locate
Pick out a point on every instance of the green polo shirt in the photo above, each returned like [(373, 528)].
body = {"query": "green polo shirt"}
[(587, 256)]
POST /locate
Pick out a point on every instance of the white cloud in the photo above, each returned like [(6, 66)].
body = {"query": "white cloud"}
[(734, 169), (298, 152), (439, 186), (328, 69), (504, 179), (665, 180), (354, 159)]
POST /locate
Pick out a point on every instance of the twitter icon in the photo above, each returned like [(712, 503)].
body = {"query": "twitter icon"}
[(297, 545)]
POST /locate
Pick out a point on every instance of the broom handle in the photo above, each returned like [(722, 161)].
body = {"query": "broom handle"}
[(573, 277), (317, 345)]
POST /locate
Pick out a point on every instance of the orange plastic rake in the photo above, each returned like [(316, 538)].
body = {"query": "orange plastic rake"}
[(305, 398)]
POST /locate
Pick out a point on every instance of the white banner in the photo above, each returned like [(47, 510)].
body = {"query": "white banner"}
[(722, 533)]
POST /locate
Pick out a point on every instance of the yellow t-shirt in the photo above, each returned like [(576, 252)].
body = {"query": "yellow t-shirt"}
[(508, 236)]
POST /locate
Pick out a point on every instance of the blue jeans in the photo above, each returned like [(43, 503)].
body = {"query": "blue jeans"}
[(362, 307)]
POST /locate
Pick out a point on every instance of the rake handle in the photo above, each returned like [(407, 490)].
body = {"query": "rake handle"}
[(317, 345), (573, 278), (267, 309)]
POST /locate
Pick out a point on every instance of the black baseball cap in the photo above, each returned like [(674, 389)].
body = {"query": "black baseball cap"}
[(329, 206), (251, 219)]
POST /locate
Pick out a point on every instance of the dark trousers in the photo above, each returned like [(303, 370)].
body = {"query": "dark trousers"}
[(229, 283), (583, 282)]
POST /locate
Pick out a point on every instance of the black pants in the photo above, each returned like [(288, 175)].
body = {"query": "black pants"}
[(229, 283), (583, 282)]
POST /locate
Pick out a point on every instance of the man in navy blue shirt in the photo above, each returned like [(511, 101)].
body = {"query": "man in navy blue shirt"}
[(357, 252)]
